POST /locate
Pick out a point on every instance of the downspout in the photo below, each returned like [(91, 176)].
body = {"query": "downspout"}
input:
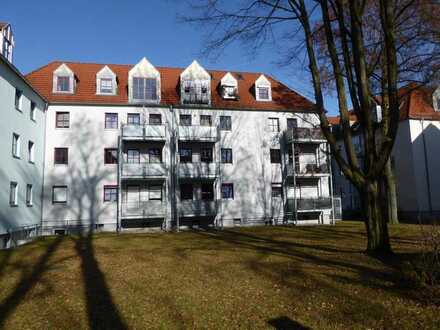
[(329, 162), (427, 176), (173, 169)]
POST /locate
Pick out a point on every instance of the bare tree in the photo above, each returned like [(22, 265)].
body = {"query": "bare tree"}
[(347, 46)]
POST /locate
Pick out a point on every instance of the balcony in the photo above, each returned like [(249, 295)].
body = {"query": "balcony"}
[(310, 204), (198, 133), (198, 170), (197, 208), (304, 134), (143, 210), (143, 132), (143, 170), (308, 170)]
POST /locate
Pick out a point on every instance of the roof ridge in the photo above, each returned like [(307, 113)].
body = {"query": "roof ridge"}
[(158, 67)]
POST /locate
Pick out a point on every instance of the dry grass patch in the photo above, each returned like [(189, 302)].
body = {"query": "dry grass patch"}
[(263, 277)]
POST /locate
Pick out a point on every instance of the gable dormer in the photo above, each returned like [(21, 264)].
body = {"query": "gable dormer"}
[(229, 87), (63, 80), (144, 83), (263, 89), (6, 41), (195, 85), (106, 82)]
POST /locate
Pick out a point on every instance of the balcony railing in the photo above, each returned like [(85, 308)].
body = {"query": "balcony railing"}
[(143, 170), (147, 209), (197, 208), (198, 133), (308, 169), (309, 204), (304, 134), (143, 132), (198, 170)]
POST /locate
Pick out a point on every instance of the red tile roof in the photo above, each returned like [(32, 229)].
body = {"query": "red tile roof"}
[(283, 98), (416, 103)]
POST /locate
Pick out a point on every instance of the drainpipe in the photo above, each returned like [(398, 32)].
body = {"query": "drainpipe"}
[(119, 201), (46, 107), (173, 172), (427, 176), (329, 162)]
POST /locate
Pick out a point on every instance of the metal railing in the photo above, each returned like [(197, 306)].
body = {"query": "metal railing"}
[(197, 207), (304, 133), (198, 170), (309, 204), (145, 209), (198, 133), (143, 170), (143, 131)]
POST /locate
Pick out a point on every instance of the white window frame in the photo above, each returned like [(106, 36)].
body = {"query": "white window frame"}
[(63, 71), (57, 200), (31, 152), (29, 195), (32, 111), (263, 82), (18, 103), (153, 193), (144, 70), (13, 193), (16, 145)]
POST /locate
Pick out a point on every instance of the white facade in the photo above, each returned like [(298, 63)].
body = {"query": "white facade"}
[(251, 172), (22, 127)]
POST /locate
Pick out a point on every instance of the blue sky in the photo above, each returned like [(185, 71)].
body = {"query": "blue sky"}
[(123, 32)]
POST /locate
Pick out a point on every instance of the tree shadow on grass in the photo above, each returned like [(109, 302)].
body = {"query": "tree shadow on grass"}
[(285, 323), (102, 312), (27, 281)]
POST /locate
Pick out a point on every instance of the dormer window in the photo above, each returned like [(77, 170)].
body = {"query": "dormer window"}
[(195, 85), (63, 84), (436, 99), (106, 82), (144, 89), (63, 80), (144, 83), (229, 87), (263, 89)]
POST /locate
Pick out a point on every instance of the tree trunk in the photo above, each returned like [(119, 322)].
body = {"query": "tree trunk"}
[(375, 222), (390, 182)]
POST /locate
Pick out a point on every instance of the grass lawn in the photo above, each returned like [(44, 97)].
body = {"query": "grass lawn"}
[(263, 277)]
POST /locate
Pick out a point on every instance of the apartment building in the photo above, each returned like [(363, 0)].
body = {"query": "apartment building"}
[(415, 159), (22, 126), (135, 146)]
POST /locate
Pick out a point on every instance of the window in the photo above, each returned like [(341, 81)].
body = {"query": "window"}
[(186, 191), (110, 193), (195, 92), (59, 194), (185, 120), (155, 155), (292, 123), (32, 110), (133, 119), (110, 156), (275, 156), (133, 156), (13, 194), (155, 193), (29, 195), (111, 120), (205, 120), (145, 89), (62, 120), (274, 124), (263, 93), (31, 152), (185, 155), (277, 190), (61, 156), (63, 84), (226, 155), (225, 123), (15, 145), (18, 99), (227, 191), (106, 86), (206, 155), (207, 191), (155, 119)]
